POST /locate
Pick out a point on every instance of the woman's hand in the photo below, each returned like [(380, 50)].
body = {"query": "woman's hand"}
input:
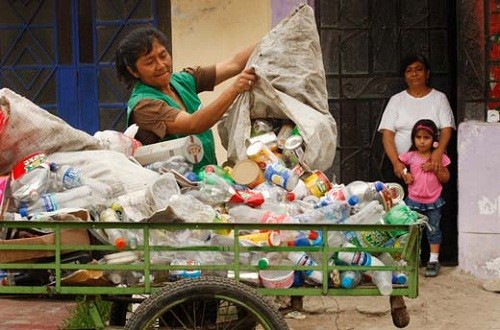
[(399, 169), (436, 161), (245, 80)]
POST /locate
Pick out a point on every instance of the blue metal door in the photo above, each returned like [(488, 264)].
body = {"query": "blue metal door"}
[(59, 54)]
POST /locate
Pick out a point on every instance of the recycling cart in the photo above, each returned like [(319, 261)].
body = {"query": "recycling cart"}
[(207, 294)]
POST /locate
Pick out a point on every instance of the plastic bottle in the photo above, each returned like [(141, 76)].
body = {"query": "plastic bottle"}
[(247, 214), (336, 212), (303, 259), (381, 278), (398, 277), (214, 190), (116, 236), (75, 198), (270, 259), (64, 177), (311, 238), (350, 279), (162, 189), (361, 192)]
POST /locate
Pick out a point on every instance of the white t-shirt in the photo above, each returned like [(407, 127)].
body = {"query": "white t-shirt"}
[(404, 110)]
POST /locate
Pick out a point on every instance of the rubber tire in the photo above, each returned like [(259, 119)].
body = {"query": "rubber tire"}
[(189, 291)]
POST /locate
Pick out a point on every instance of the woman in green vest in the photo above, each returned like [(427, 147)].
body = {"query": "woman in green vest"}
[(165, 104)]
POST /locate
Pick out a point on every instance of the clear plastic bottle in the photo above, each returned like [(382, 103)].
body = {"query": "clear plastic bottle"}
[(361, 192), (336, 212), (247, 214), (64, 177), (382, 279), (350, 279), (77, 197), (303, 259), (398, 277)]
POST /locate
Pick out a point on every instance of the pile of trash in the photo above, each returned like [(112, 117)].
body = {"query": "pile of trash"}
[(272, 185)]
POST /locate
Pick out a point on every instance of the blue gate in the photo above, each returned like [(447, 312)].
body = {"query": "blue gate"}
[(59, 54)]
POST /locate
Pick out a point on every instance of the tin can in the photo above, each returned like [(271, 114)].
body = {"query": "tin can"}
[(261, 126), (284, 133), (293, 150), (246, 172), (261, 154), (317, 183), (282, 176), (269, 139)]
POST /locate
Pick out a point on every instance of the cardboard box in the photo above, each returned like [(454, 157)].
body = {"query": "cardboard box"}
[(68, 237)]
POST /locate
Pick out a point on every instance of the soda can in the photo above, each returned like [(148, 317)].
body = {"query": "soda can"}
[(282, 176), (261, 154), (317, 183)]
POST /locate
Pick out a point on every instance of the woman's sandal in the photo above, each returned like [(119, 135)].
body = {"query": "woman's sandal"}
[(399, 313)]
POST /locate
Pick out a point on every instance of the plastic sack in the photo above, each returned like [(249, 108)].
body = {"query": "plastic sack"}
[(32, 129), (291, 85), (400, 215), (118, 141)]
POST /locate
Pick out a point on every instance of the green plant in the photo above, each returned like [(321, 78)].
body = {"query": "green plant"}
[(81, 318)]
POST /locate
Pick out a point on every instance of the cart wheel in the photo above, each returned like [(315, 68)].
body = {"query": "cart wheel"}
[(399, 312), (206, 303)]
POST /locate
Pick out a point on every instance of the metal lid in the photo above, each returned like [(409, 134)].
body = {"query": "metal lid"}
[(293, 142)]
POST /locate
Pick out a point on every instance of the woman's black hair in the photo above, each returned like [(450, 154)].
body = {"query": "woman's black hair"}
[(135, 44), (412, 58), (428, 125)]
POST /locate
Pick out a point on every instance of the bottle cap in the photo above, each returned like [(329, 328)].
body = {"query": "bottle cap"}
[(347, 282), (353, 200), (379, 186), (263, 263), (313, 235), (120, 243), (290, 196)]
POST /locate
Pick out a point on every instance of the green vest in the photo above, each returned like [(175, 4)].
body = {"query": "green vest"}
[(185, 86)]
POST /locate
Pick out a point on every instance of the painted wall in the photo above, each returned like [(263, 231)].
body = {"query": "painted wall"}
[(209, 31), (479, 199)]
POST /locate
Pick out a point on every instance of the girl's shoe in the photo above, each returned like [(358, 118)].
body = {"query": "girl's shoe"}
[(432, 269)]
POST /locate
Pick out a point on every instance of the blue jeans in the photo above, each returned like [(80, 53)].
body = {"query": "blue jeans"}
[(433, 213)]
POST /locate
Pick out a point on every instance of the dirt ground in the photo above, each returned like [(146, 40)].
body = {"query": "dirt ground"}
[(453, 300)]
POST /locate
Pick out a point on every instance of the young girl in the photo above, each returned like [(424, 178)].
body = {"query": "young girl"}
[(424, 182)]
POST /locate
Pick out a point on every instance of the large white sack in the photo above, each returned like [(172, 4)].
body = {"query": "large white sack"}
[(291, 85), (30, 129), (110, 168)]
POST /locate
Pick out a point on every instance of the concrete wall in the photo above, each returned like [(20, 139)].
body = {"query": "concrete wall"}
[(479, 198)]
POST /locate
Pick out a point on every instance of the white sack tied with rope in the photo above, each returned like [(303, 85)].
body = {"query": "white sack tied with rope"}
[(291, 85)]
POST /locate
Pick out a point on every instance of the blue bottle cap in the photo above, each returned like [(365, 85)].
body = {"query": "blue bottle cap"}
[(379, 186), (353, 200), (347, 282)]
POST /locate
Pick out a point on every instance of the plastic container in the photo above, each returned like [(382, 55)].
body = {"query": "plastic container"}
[(303, 259), (276, 279), (350, 279)]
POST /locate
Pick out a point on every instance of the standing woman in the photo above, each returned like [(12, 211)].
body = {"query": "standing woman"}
[(404, 109), (165, 104)]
